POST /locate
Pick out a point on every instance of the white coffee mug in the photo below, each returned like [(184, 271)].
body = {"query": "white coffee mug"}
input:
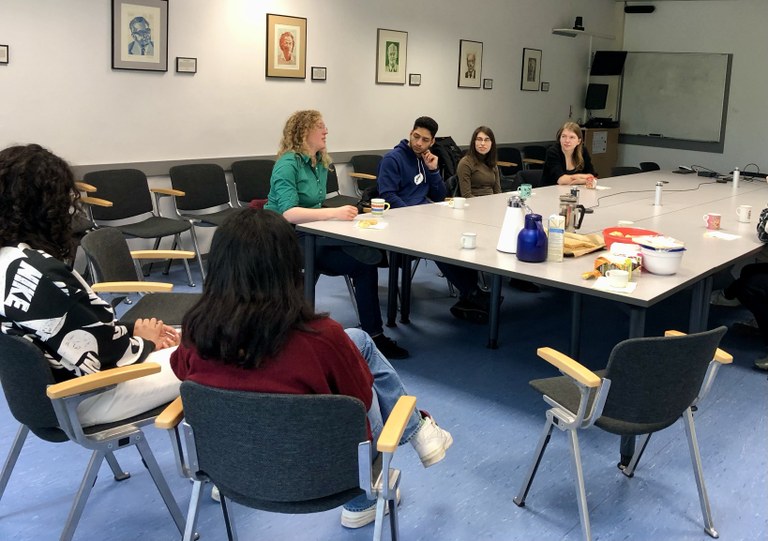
[(469, 241), (744, 213), (378, 206), (617, 277), (458, 202)]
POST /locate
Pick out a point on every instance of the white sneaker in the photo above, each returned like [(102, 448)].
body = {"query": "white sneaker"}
[(358, 519), (717, 298), (431, 442), (215, 496)]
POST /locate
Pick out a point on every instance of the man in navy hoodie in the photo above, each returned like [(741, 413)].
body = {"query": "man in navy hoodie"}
[(408, 176)]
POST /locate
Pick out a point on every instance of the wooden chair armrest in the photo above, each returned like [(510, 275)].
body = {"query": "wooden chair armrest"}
[(162, 254), (721, 356), (364, 176), (132, 287), (394, 426), (533, 161), (171, 415), (91, 382), (569, 367), (167, 191), (95, 201), (83, 187), (506, 164)]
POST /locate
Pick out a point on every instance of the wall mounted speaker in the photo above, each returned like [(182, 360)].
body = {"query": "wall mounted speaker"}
[(639, 9)]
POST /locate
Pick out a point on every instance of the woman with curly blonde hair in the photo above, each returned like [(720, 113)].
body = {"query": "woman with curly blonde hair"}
[(297, 191)]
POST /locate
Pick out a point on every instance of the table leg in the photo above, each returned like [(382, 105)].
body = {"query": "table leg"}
[(699, 316), (309, 268), (394, 271), (405, 290), (493, 320), (576, 303)]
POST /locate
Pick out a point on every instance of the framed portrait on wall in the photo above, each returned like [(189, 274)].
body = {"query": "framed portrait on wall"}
[(4, 54), (470, 63), (391, 56), (140, 35), (286, 46), (530, 75)]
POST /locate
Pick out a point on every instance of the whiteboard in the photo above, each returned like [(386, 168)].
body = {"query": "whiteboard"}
[(675, 95)]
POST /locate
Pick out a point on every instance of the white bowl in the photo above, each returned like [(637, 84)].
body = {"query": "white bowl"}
[(661, 262)]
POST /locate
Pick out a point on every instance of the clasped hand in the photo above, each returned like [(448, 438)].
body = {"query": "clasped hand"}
[(154, 330)]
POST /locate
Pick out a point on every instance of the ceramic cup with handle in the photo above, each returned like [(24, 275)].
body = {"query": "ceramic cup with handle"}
[(469, 241), (378, 206), (524, 191), (744, 213), (712, 220), (617, 278)]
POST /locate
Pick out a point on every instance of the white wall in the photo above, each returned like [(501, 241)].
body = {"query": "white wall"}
[(59, 89), (715, 26)]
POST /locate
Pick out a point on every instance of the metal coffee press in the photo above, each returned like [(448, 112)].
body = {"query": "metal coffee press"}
[(572, 210)]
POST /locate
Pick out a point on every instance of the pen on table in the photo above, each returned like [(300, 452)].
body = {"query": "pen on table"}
[(655, 135)]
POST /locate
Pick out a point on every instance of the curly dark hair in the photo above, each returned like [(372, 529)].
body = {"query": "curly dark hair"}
[(37, 200), (253, 295)]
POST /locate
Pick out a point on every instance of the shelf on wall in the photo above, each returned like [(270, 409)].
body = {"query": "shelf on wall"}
[(572, 33)]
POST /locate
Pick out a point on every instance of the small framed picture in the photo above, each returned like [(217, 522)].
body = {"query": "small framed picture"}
[(286, 46), (545, 86), (186, 65), (414, 79), (140, 35), (391, 56), (319, 73), (530, 74), (488, 84), (4, 54), (470, 63)]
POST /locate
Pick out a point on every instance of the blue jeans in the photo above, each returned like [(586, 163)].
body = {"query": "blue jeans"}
[(387, 389)]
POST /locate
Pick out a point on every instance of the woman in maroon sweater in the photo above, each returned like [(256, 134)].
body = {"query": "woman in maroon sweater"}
[(280, 345)]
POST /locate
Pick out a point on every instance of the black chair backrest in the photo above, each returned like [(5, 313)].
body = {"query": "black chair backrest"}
[(25, 374), (654, 380), (127, 189), (366, 163), (252, 178), (512, 155), (649, 166), (205, 186), (108, 251), (277, 451), (624, 170), (332, 184), (535, 152), (532, 177)]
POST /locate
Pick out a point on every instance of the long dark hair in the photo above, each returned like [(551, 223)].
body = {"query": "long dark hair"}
[(253, 295), (37, 200), (578, 153), (490, 158)]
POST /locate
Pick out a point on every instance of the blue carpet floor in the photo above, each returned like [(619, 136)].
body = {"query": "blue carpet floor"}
[(482, 397)]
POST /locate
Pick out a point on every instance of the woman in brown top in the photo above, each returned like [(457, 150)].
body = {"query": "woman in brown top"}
[(477, 171)]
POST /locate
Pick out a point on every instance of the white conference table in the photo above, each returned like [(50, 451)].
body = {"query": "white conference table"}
[(433, 232)]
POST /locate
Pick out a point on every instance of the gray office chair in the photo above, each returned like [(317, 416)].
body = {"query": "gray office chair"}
[(49, 410), (116, 270), (132, 211), (333, 198), (649, 166), (252, 179), (283, 453), (624, 170), (201, 197), (648, 385)]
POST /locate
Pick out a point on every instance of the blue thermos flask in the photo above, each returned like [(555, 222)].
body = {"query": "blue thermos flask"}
[(532, 241)]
